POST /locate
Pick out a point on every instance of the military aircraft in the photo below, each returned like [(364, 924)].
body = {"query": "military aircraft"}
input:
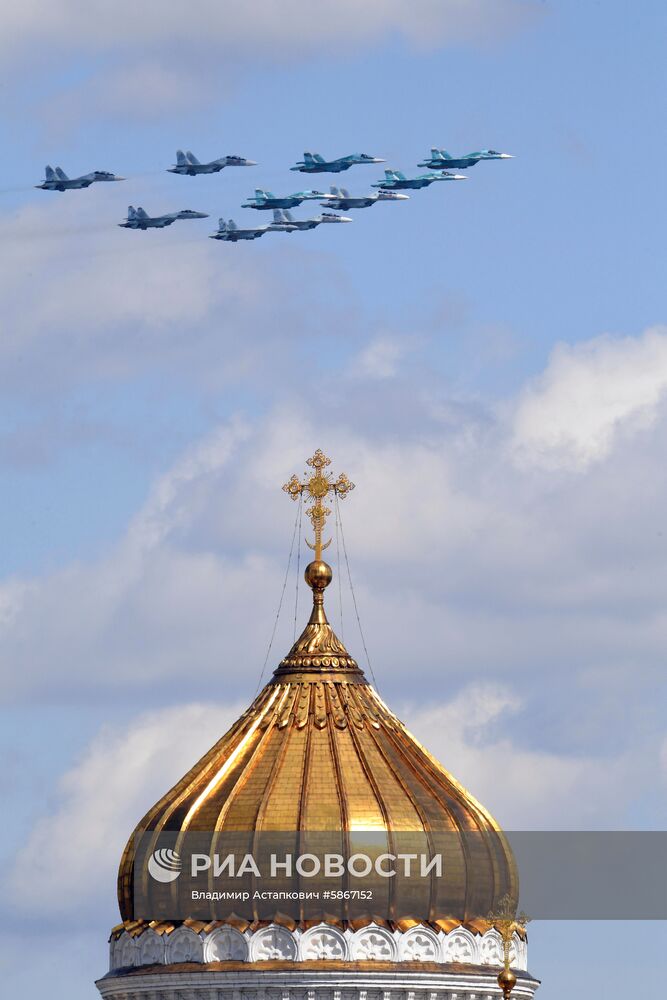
[(230, 232), (57, 180), (440, 159), (313, 163), (283, 218), (187, 163), (394, 180), (137, 218), (266, 199), (342, 200)]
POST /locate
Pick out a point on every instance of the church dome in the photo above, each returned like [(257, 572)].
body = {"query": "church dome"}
[(318, 750)]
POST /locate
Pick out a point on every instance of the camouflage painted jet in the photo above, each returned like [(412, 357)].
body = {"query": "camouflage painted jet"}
[(394, 180), (313, 163), (283, 217), (187, 163), (440, 159), (342, 200), (57, 180), (266, 199), (230, 232), (137, 218)]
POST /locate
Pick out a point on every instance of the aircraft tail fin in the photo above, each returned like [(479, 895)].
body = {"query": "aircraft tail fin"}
[(191, 158), (131, 213), (441, 154), (180, 158), (231, 225), (49, 173), (61, 175), (345, 193), (287, 215), (222, 226), (308, 157), (277, 215), (259, 193), (318, 158), (334, 190), (141, 213)]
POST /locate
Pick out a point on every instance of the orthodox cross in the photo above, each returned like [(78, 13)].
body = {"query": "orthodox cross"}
[(317, 486)]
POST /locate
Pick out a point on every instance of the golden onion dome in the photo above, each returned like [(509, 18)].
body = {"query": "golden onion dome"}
[(318, 750)]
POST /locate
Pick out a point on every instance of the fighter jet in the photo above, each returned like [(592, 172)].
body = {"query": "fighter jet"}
[(230, 232), (313, 163), (440, 159), (394, 180), (282, 222), (342, 200), (187, 163), (285, 221), (137, 218), (57, 180), (266, 199)]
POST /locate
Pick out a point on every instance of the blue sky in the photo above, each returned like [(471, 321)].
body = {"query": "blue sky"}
[(485, 360)]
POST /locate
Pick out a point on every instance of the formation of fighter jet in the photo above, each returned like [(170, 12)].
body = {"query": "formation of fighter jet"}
[(342, 200), (137, 218), (266, 199), (283, 217), (394, 180), (57, 180), (440, 159), (188, 164), (313, 163), (441, 163)]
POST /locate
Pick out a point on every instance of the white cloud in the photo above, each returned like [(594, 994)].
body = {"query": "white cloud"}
[(285, 27), (84, 300), (183, 579), (381, 358), (148, 51), (70, 858), (487, 567), (525, 789), (143, 90), (589, 394), (147, 584)]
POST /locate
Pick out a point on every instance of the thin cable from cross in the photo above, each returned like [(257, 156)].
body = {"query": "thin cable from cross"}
[(297, 521), (339, 573), (298, 567), (354, 598)]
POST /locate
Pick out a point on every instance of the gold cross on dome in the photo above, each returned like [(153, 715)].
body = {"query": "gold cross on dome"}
[(318, 485)]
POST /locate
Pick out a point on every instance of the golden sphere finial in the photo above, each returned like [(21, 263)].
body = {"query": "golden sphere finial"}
[(506, 981), (318, 574)]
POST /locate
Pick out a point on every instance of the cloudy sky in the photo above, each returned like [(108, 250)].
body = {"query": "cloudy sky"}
[(488, 362)]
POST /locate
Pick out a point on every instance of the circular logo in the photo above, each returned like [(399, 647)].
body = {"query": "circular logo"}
[(164, 865)]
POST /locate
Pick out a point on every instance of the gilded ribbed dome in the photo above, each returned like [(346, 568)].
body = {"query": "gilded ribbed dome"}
[(318, 750)]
